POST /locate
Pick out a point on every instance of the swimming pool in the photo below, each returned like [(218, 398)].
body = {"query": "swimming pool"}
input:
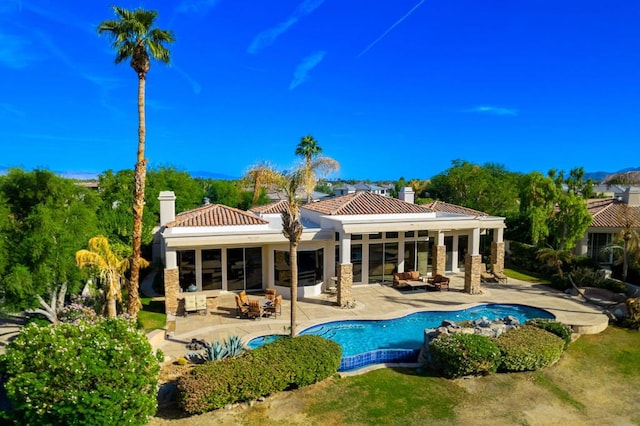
[(366, 342)]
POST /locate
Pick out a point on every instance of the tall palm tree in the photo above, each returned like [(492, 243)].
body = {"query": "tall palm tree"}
[(292, 230), (259, 175), (109, 266), (135, 38), (308, 149)]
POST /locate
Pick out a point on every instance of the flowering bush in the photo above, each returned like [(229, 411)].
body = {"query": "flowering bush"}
[(100, 373), (76, 312)]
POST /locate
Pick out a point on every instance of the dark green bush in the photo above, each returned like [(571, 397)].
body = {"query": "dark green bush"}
[(457, 355), (283, 364), (101, 373), (528, 348), (553, 326)]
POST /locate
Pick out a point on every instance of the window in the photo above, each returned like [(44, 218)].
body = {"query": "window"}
[(212, 269), (187, 269), (391, 235), (244, 268), (310, 268)]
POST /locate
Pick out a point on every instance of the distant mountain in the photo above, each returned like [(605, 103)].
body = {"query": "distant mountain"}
[(211, 175), (600, 176)]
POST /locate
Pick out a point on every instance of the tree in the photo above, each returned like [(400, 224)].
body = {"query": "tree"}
[(537, 197), (48, 219), (135, 38), (292, 230), (260, 175), (110, 268), (627, 241), (555, 258), (315, 166)]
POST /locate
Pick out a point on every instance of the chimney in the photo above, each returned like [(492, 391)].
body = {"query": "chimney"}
[(167, 207), (407, 195), (631, 196)]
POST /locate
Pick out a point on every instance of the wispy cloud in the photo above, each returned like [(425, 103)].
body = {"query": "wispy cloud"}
[(14, 52), (196, 6), (493, 110), (8, 109), (302, 70), (395, 24), (268, 37), (195, 86)]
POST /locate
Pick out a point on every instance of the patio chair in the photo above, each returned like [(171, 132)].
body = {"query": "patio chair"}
[(189, 304), (242, 310), (276, 307), (201, 304), (255, 310), (270, 294), (440, 282), (243, 297)]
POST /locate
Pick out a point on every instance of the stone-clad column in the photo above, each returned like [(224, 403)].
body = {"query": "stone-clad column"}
[(345, 285), (472, 274), (171, 286), (497, 256), (439, 257)]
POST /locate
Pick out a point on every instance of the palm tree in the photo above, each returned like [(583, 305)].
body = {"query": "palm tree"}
[(309, 149), (627, 241), (555, 258), (292, 230), (135, 38), (259, 175), (110, 267)]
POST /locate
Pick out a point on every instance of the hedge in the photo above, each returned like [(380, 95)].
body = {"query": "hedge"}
[(286, 363), (553, 326), (89, 373), (457, 355), (528, 348)]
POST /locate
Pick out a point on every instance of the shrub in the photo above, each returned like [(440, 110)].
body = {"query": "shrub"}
[(457, 355), (100, 373), (283, 364), (553, 326), (528, 348), (76, 312)]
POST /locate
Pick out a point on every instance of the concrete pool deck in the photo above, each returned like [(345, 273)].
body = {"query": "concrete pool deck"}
[(375, 301)]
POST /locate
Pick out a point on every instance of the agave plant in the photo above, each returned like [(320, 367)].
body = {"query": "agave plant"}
[(234, 346)]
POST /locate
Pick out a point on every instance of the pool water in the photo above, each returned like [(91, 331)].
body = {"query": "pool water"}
[(399, 339)]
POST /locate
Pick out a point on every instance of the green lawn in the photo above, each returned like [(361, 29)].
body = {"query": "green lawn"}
[(152, 315), (525, 276)]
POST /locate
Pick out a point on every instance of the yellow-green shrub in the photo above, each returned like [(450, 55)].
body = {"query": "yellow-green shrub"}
[(529, 348)]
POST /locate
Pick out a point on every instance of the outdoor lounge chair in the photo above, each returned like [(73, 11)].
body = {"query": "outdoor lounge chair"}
[(500, 276), (189, 304), (486, 276), (242, 310), (255, 310), (243, 297), (276, 307), (440, 282), (201, 304)]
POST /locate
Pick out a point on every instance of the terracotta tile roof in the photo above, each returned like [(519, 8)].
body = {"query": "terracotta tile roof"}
[(362, 203), (215, 215), (611, 213), (442, 207), (272, 208)]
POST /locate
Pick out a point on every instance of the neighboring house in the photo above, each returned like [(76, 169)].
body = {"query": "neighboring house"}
[(360, 187), (358, 238), (275, 195), (609, 217), (603, 190)]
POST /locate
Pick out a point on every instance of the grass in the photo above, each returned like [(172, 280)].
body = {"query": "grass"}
[(152, 316), (595, 382), (525, 276)]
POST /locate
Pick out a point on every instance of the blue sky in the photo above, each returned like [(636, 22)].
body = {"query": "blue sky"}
[(388, 88)]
